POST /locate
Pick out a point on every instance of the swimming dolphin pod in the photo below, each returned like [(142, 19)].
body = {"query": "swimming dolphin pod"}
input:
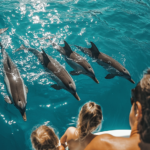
[(57, 72), (18, 91), (15, 85), (107, 62), (76, 61)]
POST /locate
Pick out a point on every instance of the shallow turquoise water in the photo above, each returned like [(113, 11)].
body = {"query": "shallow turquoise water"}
[(120, 29)]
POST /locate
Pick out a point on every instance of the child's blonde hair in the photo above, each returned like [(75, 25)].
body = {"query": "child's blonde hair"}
[(44, 138), (89, 119)]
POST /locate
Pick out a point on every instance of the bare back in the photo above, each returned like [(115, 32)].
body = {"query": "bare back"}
[(72, 140), (80, 144), (109, 142)]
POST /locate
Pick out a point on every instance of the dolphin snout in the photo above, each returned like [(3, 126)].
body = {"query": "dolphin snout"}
[(24, 116), (95, 79), (131, 80), (76, 96)]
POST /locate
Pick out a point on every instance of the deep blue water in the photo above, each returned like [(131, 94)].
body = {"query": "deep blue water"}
[(120, 29)]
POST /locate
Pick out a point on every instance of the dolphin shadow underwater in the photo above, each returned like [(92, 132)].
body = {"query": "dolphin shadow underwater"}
[(15, 85), (111, 65), (57, 72), (75, 61)]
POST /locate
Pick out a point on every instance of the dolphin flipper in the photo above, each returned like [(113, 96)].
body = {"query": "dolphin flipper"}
[(74, 73), (3, 30), (7, 100), (109, 76), (56, 87), (26, 89)]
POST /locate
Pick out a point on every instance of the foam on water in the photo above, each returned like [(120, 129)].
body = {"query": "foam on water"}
[(119, 29)]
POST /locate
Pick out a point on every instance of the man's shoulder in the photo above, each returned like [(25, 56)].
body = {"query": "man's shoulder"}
[(101, 142), (104, 137)]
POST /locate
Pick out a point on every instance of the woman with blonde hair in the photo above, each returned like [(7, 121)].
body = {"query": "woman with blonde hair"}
[(44, 138), (90, 117)]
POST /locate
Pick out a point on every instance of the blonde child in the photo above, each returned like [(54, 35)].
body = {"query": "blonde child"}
[(90, 117), (44, 138)]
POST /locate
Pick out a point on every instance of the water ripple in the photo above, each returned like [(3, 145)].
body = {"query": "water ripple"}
[(118, 28)]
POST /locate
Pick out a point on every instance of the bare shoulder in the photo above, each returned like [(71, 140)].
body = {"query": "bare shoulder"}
[(100, 142), (71, 133), (71, 130), (104, 138)]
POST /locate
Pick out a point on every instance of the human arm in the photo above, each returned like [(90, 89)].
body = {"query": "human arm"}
[(68, 135), (64, 138)]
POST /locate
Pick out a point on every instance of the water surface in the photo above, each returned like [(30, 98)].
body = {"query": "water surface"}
[(119, 28)]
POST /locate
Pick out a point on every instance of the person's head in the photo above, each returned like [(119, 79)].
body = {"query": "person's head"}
[(140, 111), (44, 138), (90, 117)]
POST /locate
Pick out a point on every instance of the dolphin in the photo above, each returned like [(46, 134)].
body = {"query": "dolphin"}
[(3, 30), (111, 65), (76, 61), (57, 72), (15, 85)]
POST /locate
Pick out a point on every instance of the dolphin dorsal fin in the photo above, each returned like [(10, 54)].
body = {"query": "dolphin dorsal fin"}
[(94, 49), (46, 60), (67, 49)]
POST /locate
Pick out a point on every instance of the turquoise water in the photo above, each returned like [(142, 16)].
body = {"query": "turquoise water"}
[(120, 29)]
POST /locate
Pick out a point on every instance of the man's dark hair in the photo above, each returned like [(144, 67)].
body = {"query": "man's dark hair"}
[(141, 93)]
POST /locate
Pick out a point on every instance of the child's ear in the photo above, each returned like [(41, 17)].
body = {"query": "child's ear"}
[(138, 110)]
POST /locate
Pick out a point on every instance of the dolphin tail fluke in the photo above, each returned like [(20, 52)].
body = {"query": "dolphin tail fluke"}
[(49, 38), (85, 50), (45, 38), (22, 47), (3, 30), (78, 47)]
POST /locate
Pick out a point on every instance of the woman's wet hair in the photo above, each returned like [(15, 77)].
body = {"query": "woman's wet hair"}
[(90, 117), (44, 138), (141, 93)]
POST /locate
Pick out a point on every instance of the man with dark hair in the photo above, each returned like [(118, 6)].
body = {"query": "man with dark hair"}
[(139, 121)]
